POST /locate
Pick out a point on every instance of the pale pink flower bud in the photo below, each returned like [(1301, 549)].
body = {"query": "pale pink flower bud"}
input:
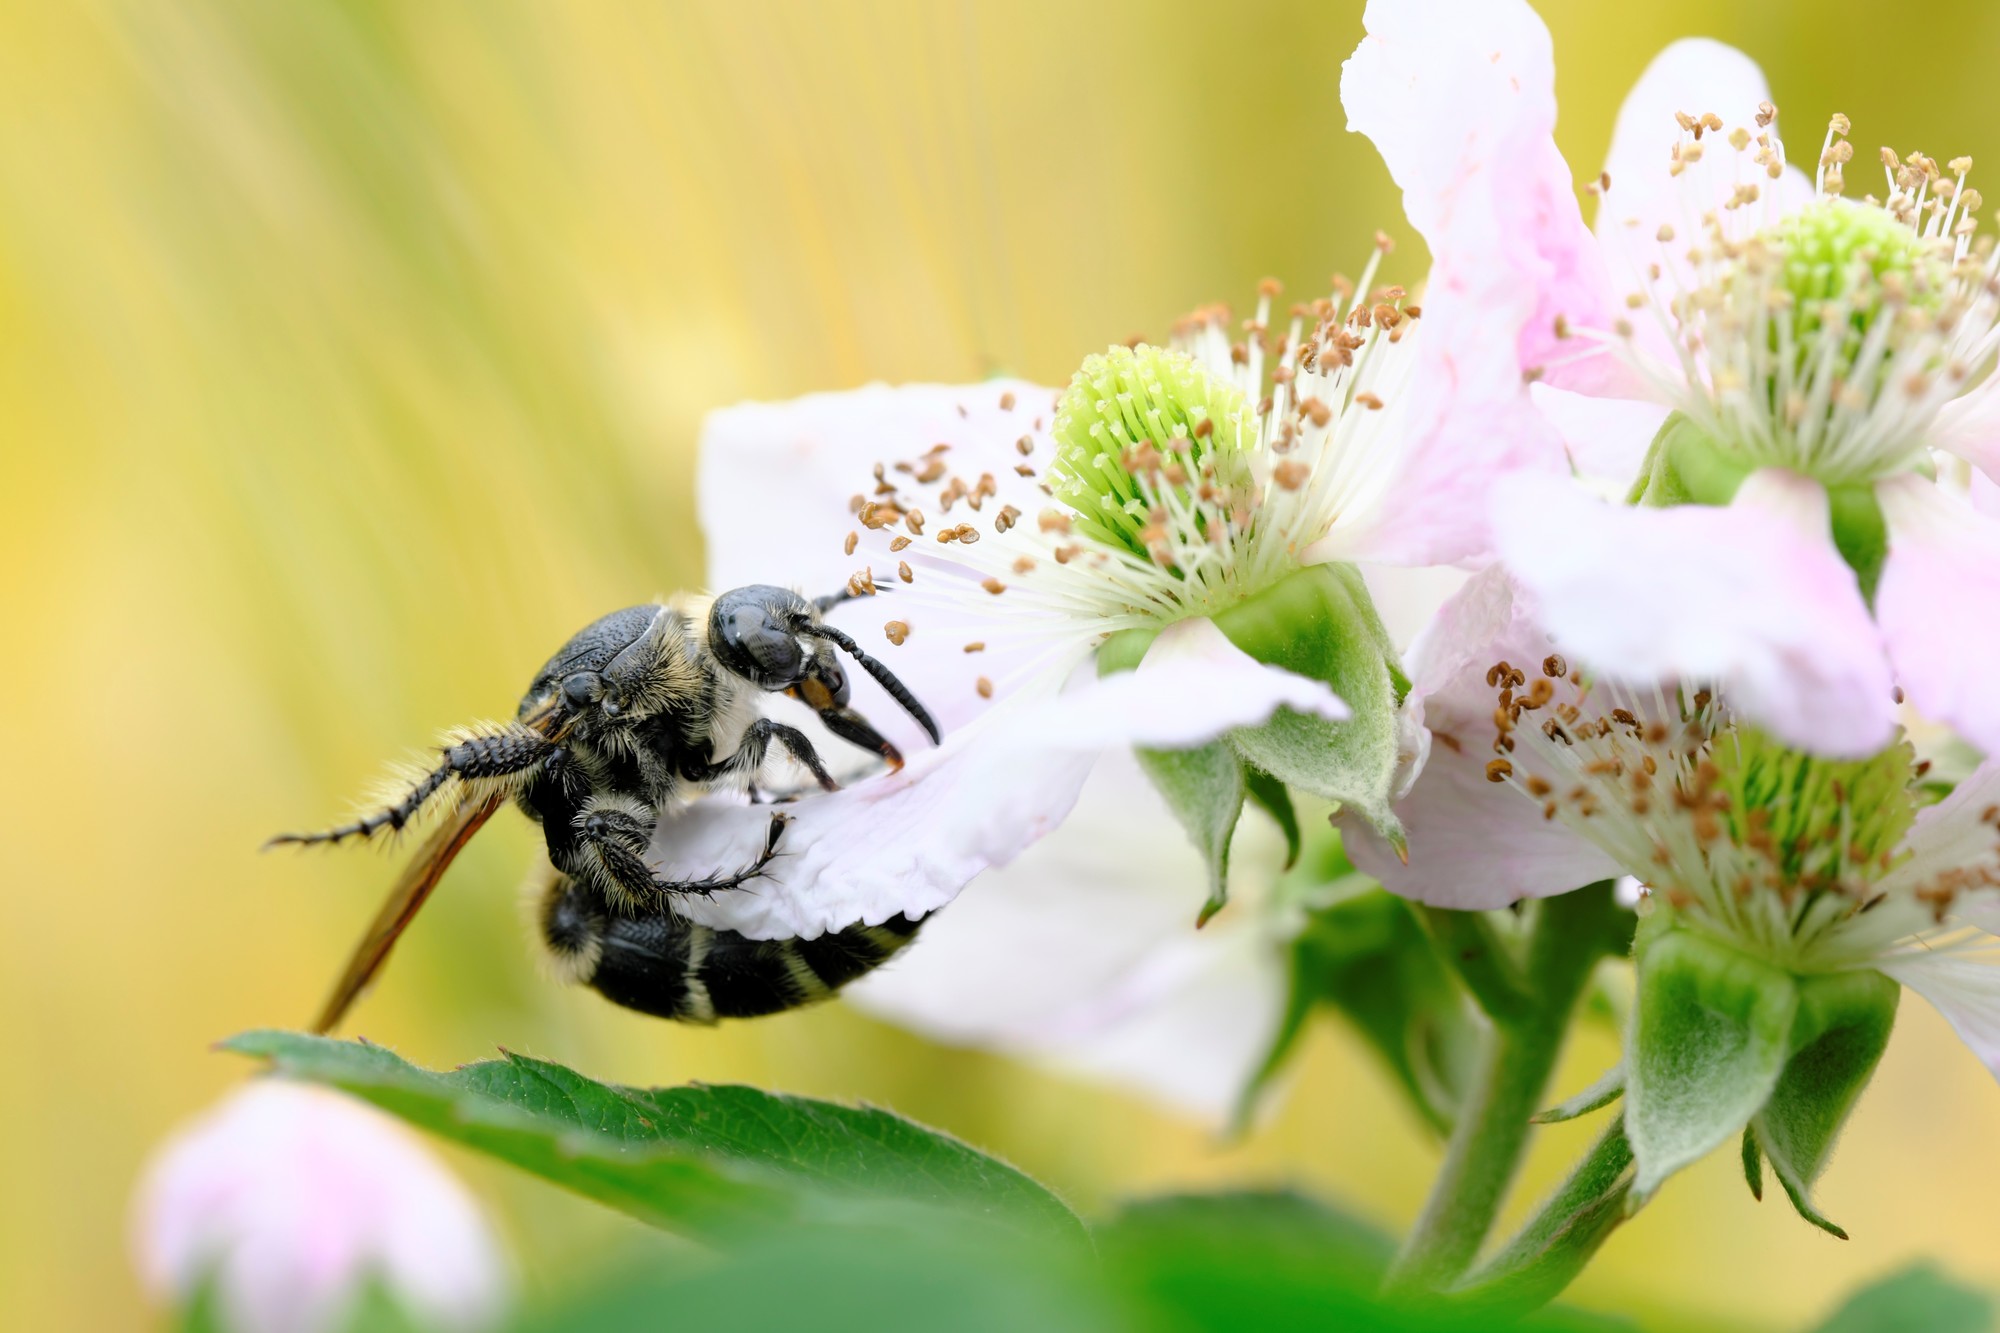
[(291, 1199)]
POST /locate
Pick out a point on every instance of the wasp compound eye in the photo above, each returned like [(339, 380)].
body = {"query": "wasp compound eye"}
[(584, 688), (752, 634)]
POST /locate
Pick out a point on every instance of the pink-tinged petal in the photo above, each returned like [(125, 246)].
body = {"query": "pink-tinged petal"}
[(291, 1199), (1939, 606), (908, 842), (1692, 76), (1606, 438), (775, 480), (1192, 685), (1459, 99), (1962, 985), (1126, 989), (1753, 598), (1473, 844)]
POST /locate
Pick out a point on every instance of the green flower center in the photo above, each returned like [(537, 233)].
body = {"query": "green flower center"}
[(1821, 823), (1849, 263), (1142, 432)]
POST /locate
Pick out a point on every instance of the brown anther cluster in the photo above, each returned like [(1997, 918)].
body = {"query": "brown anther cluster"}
[(861, 583), (897, 631)]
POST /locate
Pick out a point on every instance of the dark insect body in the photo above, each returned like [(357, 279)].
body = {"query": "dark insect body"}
[(642, 712)]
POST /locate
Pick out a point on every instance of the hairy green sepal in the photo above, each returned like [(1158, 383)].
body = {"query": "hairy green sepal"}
[(1321, 623), (1838, 1035), (1710, 1033), (1725, 1045), (1318, 622)]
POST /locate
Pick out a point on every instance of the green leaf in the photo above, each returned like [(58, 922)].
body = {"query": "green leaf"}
[(714, 1163), (1607, 1089), (1368, 959), (1710, 1033), (1919, 1297), (1321, 623), (848, 1279), (1838, 1036), (1204, 788)]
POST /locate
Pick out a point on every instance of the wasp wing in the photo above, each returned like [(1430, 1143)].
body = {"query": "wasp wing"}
[(419, 878)]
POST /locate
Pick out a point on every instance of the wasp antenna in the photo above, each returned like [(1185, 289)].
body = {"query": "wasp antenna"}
[(883, 676)]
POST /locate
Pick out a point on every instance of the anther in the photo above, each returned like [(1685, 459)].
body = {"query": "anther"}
[(985, 688), (994, 586), (853, 540), (1499, 770), (897, 631)]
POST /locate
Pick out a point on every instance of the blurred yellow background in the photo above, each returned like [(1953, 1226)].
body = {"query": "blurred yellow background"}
[(352, 356)]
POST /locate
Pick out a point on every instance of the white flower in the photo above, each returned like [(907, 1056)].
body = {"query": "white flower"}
[(291, 1199)]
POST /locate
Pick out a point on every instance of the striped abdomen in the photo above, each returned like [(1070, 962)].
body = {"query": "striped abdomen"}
[(668, 966)]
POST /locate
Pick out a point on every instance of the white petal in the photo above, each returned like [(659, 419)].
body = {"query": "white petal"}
[(776, 484), (1954, 834), (1753, 598), (775, 479), (1192, 685), (1473, 844), (1964, 987), (291, 1198), (1083, 954), (1939, 605), (1692, 76)]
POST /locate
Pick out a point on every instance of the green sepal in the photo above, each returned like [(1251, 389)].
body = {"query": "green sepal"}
[(1710, 1034), (1753, 1162), (1204, 787), (1609, 1087), (1364, 955), (1860, 534), (1275, 800), (1321, 623), (1838, 1035), (1684, 465)]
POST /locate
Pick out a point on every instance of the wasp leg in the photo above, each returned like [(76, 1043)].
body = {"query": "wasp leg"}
[(660, 963), (609, 849), (491, 760), (756, 744)]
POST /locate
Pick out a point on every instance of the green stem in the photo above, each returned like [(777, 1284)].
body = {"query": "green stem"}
[(1483, 960), (1566, 939), (1552, 1248)]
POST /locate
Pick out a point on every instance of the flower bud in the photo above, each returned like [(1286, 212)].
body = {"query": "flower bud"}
[(286, 1205)]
